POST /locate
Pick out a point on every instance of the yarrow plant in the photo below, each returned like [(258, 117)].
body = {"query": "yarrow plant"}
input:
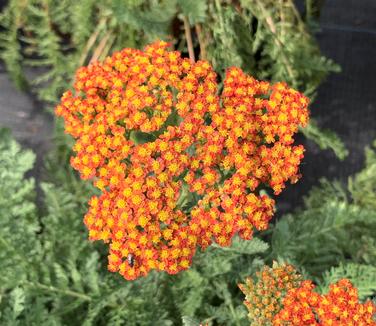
[(180, 163), (264, 297), (279, 296)]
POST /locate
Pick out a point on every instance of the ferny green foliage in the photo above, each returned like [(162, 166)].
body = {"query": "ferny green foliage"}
[(266, 40)]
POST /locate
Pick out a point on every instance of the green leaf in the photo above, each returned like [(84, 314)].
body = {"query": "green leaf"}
[(154, 21), (362, 186), (190, 321), (328, 231), (363, 277), (18, 301), (326, 139), (195, 10)]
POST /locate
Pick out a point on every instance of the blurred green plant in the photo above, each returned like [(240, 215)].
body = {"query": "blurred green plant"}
[(268, 40)]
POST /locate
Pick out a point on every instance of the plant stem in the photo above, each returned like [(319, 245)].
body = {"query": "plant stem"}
[(201, 41), (56, 290), (99, 49), (92, 39), (272, 27), (188, 36)]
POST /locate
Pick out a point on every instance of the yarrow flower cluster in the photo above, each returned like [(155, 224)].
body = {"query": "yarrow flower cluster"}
[(264, 296), (340, 306), (179, 164), (280, 297)]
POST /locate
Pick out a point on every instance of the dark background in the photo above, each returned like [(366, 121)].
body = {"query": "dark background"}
[(346, 102)]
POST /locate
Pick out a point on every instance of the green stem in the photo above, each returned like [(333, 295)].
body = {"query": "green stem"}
[(188, 36), (272, 27), (51, 288)]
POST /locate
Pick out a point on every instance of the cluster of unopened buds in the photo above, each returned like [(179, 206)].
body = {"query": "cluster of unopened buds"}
[(280, 297), (264, 297), (179, 163)]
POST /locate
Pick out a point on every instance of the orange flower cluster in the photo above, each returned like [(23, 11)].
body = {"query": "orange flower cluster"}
[(264, 295), (280, 297), (339, 307), (179, 165)]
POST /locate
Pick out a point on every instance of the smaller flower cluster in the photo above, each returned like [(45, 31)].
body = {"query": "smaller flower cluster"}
[(339, 307), (281, 297), (264, 297)]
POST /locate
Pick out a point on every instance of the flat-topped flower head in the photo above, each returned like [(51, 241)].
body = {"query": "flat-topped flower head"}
[(340, 306), (179, 163), (279, 296)]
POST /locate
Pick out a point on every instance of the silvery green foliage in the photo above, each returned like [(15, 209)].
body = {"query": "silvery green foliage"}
[(52, 275), (362, 276), (336, 226), (17, 213)]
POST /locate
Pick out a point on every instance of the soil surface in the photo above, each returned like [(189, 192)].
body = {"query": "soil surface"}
[(31, 125), (346, 102)]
